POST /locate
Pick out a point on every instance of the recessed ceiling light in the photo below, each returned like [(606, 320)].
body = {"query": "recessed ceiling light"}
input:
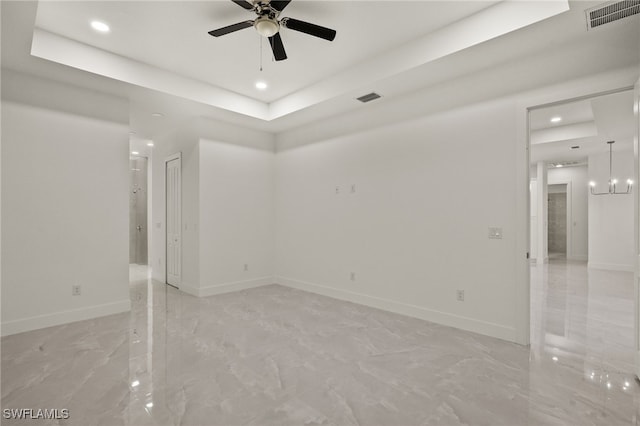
[(556, 119), (261, 85), (134, 153), (157, 114), (149, 143), (135, 383), (149, 404), (558, 165), (100, 26)]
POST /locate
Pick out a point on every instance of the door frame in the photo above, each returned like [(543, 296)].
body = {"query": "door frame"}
[(571, 92), (147, 201), (636, 216), (569, 216), (172, 157)]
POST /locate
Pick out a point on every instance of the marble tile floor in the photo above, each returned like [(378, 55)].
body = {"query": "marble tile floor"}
[(279, 356)]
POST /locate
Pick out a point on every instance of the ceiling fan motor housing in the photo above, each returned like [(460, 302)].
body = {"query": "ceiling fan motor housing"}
[(266, 26)]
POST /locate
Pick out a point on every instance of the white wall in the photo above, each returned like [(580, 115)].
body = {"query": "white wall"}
[(409, 245), (611, 240), (533, 214), (236, 215), (182, 139), (227, 206), (64, 217), (578, 185), (542, 216), (481, 160), (416, 228)]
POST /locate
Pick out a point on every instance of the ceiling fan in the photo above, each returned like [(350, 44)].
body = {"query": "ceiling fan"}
[(268, 24)]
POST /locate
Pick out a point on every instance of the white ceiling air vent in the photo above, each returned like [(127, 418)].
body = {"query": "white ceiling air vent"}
[(372, 96), (611, 11), (566, 164)]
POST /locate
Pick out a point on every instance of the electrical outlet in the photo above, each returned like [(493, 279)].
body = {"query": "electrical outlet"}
[(353, 276), (246, 266), (76, 290), (460, 295)]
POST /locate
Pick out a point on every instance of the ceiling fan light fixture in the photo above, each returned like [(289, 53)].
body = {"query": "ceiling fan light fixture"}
[(266, 26)]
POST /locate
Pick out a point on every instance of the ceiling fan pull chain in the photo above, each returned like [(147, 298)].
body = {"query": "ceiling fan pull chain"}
[(260, 54)]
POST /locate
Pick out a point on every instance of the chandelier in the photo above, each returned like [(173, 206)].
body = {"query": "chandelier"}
[(612, 182)]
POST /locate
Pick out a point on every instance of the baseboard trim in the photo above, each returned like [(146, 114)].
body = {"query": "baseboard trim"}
[(212, 290), (194, 291), (465, 323), (64, 317), (611, 266)]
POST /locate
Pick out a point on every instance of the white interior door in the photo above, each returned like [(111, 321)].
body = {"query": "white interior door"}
[(173, 180), (636, 196)]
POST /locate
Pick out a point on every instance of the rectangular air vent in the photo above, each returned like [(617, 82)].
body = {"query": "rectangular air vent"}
[(566, 164), (370, 96), (610, 12)]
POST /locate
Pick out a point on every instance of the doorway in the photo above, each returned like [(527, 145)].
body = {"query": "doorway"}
[(138, 211), (557, 213), (582, 287), (173, 209)]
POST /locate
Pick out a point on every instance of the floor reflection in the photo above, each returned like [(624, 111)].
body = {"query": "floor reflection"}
[(582, 321), (278, 356)]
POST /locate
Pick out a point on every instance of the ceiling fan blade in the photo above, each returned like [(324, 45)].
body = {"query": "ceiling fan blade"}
[(308, 28), (279, 5), (244, 4), (277, 47), (231, 28)]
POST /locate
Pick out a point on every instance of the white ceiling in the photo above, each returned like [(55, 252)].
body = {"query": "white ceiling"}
[(173, 36), (608, 117), (164, 46), (571, 113), (156, 48)]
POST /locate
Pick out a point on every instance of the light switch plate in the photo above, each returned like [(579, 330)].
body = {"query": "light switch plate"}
[(495, 233)]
